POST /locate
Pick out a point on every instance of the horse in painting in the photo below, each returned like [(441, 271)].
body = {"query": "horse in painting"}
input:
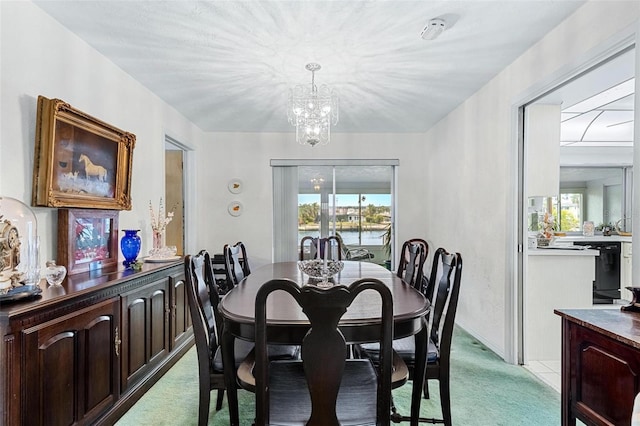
[(91, 169)]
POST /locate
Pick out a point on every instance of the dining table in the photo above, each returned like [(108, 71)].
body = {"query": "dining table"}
[(287, 324)]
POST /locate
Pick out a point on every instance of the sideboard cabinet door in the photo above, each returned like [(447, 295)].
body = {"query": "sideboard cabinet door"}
[(71, 366), (145, 324), (180, 316)]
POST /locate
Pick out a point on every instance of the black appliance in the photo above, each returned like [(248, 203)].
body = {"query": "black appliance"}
[(606, 287)]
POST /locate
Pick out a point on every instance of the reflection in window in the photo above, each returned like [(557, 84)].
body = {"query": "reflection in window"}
[(595, 194)]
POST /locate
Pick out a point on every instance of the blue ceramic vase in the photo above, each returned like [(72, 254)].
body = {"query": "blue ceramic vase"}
[(130, 246)]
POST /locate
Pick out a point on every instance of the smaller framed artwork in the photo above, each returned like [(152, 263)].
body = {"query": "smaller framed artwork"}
[(87, 239)]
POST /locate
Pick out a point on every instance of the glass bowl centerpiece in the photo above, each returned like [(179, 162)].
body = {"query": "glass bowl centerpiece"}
[(319, 269)]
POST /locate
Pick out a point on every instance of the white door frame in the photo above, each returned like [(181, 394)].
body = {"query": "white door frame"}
[(514, 337)]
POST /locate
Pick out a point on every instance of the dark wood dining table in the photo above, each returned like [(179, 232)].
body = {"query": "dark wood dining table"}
[(287, 324)]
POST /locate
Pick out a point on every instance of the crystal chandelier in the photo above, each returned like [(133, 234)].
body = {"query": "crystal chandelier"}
[(313, 110)]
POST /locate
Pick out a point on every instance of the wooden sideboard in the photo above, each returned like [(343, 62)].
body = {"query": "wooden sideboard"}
[(84, 354), (600, 365)]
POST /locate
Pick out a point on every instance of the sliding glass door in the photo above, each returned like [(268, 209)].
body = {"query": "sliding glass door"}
[(352, 201)]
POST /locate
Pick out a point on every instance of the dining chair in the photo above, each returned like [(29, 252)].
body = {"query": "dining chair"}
[(203, 297), (442, 290), (354, 253), (412, 257), (236, 264), (206, 327), (325, 387), (314, 247)]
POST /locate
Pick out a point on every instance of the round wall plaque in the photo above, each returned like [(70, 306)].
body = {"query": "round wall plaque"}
[(235, 186), (235, 208)]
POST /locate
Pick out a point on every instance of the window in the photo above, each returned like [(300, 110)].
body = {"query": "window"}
[(570, 206), (352, 199)]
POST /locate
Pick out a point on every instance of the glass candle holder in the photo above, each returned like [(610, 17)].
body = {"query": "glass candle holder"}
[(54, 274)]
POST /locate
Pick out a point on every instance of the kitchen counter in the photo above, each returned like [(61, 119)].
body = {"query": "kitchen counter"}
[(595, 238), (555, 279), (562, 252)]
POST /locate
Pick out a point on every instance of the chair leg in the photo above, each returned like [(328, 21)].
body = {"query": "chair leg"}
[(219, 399), (203, 411), (426, 388), (445, 400)]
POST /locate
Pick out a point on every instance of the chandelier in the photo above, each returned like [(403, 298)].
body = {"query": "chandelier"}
[(317, 183), (313, 110)]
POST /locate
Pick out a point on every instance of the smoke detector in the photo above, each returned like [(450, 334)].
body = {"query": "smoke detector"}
[(434, 28)]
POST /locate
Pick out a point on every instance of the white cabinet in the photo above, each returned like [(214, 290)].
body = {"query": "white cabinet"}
[(556, 279)]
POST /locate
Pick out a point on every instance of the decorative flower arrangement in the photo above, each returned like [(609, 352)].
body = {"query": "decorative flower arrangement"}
[(546, 232), (159, 221), (159, 224)]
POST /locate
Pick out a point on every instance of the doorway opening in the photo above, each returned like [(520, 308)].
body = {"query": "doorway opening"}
[(174, 193), (593, 118)]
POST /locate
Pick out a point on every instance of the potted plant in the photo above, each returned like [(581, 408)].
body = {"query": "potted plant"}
[(386, 245)]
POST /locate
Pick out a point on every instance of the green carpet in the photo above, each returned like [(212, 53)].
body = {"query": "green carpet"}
[(485, 391)]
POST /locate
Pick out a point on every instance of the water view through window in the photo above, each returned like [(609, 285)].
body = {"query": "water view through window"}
[(351, 198), (357, 223), (353, 202)]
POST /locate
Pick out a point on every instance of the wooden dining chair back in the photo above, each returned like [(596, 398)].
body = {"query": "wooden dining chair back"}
[(314, 247), (203, 300), (308, 248), (205, 333), (412, 257), (236, 264), (325, 387), (444, 289)]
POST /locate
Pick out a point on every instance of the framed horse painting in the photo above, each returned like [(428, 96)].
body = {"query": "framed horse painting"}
[(80, 161)]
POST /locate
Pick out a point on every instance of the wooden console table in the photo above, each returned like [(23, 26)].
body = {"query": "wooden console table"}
[(600, 365), (85, 353)]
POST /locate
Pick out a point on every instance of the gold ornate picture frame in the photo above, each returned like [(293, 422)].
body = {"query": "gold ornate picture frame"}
[(79, 160), (87, 239)]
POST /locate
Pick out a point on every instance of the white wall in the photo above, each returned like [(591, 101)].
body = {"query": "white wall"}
[(471, 156), (40, 57), (247, 156)]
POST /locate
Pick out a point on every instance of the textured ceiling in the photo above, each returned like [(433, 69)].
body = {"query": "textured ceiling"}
[(598, 106), (228, 65)]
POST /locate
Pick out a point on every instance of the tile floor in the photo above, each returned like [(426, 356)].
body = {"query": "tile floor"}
[(549, 371)]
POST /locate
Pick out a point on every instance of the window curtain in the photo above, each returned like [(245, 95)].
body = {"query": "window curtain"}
[(285, 213)]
